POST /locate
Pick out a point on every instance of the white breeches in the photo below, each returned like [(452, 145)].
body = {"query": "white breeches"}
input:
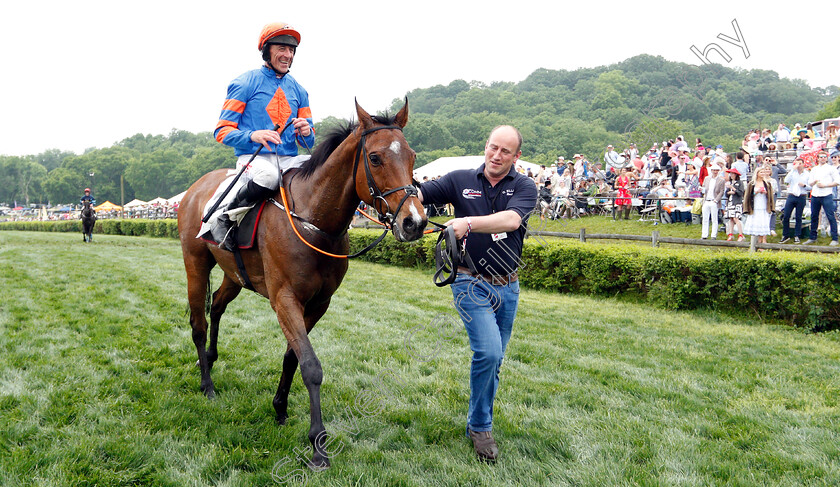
[(264, 169)]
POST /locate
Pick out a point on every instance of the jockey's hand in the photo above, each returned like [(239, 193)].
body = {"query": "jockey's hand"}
[(264, 137), (302, 127)]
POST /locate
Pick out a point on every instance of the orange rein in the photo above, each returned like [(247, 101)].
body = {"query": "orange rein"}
[(374, 220), (294, 227)]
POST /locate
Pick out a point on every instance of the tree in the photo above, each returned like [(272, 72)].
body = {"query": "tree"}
[(426, 133), (830, 110), (62, 186), (22, 180), (108, 166), (52, 158), (149, 174)]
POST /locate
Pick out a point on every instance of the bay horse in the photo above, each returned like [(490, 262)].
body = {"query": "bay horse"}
[(88, 217), (297, 280)]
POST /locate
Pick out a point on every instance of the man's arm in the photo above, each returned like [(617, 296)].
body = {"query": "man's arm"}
[(503, 221), (227, 129)]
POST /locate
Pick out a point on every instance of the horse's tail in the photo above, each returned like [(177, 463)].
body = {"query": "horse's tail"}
[(208, 298)]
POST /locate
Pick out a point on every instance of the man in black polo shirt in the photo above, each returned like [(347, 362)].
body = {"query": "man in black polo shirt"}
[(491, 206)]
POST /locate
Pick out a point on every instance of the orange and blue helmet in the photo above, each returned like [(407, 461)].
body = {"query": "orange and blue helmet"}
[(278, 33)]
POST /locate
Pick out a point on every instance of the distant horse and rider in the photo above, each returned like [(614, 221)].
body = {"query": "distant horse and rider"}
[(298, 258), (88, 216)]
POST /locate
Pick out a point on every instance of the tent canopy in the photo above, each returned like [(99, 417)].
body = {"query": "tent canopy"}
[(107, 206), (177, 198), (444, 165), (135, 202), (158, 201)]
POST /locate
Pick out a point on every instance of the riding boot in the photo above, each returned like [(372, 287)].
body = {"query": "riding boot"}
[(627, 213), (247, 195)]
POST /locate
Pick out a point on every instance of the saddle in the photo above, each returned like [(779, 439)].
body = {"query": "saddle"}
[(246, 231)]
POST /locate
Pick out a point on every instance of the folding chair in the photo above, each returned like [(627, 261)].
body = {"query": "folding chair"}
[(648, 212)]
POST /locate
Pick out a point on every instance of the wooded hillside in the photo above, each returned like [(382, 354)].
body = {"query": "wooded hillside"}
[(642, 99)]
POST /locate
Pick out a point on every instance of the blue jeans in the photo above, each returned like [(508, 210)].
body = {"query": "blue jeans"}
[(797, 204), (488, 312), (827, 205)]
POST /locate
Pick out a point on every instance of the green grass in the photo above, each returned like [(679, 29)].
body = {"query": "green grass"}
[(98, 385)]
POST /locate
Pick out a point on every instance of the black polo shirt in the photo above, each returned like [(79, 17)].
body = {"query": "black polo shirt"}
[(472, 195)]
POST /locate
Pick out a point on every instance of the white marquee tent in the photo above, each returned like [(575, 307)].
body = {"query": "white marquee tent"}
[(444, 165), (177, 198), (135, 202)]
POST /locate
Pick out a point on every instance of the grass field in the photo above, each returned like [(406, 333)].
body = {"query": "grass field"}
[(98, 385)]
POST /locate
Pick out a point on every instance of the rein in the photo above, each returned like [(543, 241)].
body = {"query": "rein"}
[(450, 253)]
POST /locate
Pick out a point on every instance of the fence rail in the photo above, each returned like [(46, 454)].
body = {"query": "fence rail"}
[(655, 239)]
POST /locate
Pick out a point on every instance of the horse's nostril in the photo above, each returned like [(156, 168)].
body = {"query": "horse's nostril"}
[(408, 224)]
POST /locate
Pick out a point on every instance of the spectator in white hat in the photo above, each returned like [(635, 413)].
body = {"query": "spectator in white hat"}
[(713, 188)]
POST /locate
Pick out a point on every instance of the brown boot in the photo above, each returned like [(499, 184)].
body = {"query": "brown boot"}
[(485, 445)]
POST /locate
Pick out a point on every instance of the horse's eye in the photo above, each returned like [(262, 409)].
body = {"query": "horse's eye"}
[(375, 160)]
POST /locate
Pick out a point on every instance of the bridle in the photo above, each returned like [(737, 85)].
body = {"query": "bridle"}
[(387, 217), (87, 209)]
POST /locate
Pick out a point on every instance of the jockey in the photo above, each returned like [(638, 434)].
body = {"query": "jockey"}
[(259, 106), (87, 197)]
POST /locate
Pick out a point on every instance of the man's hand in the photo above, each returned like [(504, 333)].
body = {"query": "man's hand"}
[(460, 226), (302, 127), (264, 137)]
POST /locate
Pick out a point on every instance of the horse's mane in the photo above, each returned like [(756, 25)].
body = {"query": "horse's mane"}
[(333, 139)]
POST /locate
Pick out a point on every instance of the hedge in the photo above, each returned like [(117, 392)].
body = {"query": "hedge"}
[(132, 227), (799, 289)]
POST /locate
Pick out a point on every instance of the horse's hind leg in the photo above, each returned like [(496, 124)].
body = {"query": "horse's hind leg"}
[(281, 399), (198, 277), (227, 292)]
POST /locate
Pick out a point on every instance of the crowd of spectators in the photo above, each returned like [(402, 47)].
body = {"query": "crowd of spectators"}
[(748, 190)]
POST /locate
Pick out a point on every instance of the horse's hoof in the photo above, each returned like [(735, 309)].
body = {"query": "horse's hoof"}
[(210, 394), (281, 419), (318, 463)]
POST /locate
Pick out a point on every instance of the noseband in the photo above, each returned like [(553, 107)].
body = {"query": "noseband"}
[(388, 216)]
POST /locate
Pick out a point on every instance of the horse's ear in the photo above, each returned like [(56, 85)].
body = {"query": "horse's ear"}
[(365, 121), (402, 117)]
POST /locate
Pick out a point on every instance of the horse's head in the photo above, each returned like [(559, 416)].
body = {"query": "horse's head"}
[(385, 181)]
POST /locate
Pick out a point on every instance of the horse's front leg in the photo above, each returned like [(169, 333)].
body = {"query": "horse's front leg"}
[(290, 315), (290, 364)]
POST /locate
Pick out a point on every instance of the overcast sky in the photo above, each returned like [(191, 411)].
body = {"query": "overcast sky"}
[(90, 73)]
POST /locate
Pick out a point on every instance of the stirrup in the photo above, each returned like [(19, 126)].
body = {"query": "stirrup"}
[(229, 242), (224, 222)]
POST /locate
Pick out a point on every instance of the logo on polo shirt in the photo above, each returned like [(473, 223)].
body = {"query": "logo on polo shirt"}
[(471, 194), (508, 192)]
